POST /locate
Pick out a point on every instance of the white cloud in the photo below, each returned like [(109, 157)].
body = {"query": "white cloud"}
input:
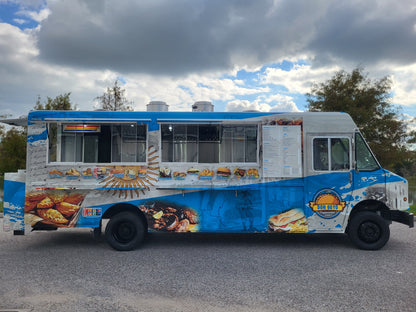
[(19, 21), (245, 105), (264, 103), (181, 93), (299, 79), (282, 103), (202, 47), (37, 16), (404, 85), (24, 77)]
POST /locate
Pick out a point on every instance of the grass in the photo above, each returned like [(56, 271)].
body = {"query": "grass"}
[(1, 188), (412, 193)]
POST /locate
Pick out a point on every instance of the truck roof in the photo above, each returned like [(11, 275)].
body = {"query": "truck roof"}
[(313, 121)]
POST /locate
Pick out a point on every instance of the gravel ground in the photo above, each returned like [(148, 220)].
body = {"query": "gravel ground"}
[(67, 270)]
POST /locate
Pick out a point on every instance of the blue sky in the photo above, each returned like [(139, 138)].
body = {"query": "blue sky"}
[(17, 13), (262, 55)]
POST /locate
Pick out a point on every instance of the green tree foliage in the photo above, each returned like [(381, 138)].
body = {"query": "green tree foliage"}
[(368, 103), (114, 99), (61, 102), (13, 141), (12, 150)]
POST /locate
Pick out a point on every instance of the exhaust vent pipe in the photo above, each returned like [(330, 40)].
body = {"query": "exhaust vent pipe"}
[(157, 106), (203, 106)]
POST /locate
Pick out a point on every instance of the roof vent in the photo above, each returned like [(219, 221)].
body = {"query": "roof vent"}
[(203, 106), (157, 106)]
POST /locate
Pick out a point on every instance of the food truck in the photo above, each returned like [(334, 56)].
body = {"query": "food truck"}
[(245, 172)]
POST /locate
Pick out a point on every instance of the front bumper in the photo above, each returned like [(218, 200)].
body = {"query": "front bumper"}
[(401, 217)]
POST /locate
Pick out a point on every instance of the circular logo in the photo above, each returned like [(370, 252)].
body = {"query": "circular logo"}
[(327, 204)]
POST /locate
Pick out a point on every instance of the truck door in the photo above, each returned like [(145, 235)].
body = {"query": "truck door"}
[(328, 180), (369, 177)]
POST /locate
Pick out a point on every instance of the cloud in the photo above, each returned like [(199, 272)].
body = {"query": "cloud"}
[(299, 79), (281, 103), (23, 76), (194, 36), (188, 50), (34, 15), (404, 82), (245, 105), (181, 93), (173, 37), (271, 103), (366, 32), (19, 21)]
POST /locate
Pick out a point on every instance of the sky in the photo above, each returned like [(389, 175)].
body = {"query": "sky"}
[(238, 54)]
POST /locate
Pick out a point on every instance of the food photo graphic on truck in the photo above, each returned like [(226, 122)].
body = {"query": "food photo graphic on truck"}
[(228, 172)]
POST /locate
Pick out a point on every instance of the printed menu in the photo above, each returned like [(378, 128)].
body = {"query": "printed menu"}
[(282, 151)]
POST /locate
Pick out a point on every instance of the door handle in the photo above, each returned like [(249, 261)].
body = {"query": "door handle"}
[(350, 177)]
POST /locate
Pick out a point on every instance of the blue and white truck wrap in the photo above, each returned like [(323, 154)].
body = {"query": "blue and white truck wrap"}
[(206, 172)]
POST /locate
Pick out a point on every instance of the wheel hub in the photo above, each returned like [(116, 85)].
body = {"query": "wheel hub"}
[(369, 232), (125, 232)]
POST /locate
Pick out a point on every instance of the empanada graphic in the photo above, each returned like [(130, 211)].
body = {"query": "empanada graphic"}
[(29, 206), (74, 199), (52, 215), (32, 219), (57, 198), (45, 203), (67, 209), (35, 196)]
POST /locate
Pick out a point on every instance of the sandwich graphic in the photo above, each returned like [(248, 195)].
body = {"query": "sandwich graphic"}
[(223, 172), (193, 171), (239, 173), (291, 221)]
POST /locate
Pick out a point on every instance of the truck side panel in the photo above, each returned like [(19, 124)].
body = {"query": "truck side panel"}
[(14, 202)]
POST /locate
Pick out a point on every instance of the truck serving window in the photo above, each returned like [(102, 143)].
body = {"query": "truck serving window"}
[(364, 158), (209, 143), (331, 154), (97, 143)]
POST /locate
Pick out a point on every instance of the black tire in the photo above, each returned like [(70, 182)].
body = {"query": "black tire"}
[(125, 231), (368, 230)]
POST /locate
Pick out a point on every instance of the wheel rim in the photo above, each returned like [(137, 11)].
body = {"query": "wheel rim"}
[(369, 232), (124, 232)]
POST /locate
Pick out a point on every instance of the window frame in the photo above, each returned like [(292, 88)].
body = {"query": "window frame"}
[(329, 153), (358, 134), (58, 144), (197, 124)]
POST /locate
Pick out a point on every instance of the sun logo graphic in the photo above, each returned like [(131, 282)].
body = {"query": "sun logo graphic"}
[(327, 204), (131, 180)]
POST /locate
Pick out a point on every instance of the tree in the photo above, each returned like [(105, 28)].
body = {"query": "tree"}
[(368, 103), (13, 150), (61, 102), (114, 99)]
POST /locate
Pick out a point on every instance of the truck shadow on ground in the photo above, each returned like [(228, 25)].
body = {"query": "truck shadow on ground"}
[(84, 239), (157, 240)]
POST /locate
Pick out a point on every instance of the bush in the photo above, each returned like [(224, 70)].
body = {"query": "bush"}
[(412, 194)]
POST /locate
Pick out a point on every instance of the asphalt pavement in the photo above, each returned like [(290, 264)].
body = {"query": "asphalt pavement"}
[(67, 270)]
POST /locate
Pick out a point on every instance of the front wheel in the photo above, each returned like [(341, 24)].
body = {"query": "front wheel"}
[(125, 231), (368, 230)]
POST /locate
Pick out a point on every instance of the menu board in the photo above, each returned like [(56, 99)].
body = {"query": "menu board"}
[(282, 151)]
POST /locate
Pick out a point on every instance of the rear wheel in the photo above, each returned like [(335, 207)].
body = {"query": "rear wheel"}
[(368, 230), (125, 231)]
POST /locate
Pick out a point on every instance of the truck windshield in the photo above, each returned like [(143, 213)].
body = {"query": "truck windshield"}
[(364, 157)]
